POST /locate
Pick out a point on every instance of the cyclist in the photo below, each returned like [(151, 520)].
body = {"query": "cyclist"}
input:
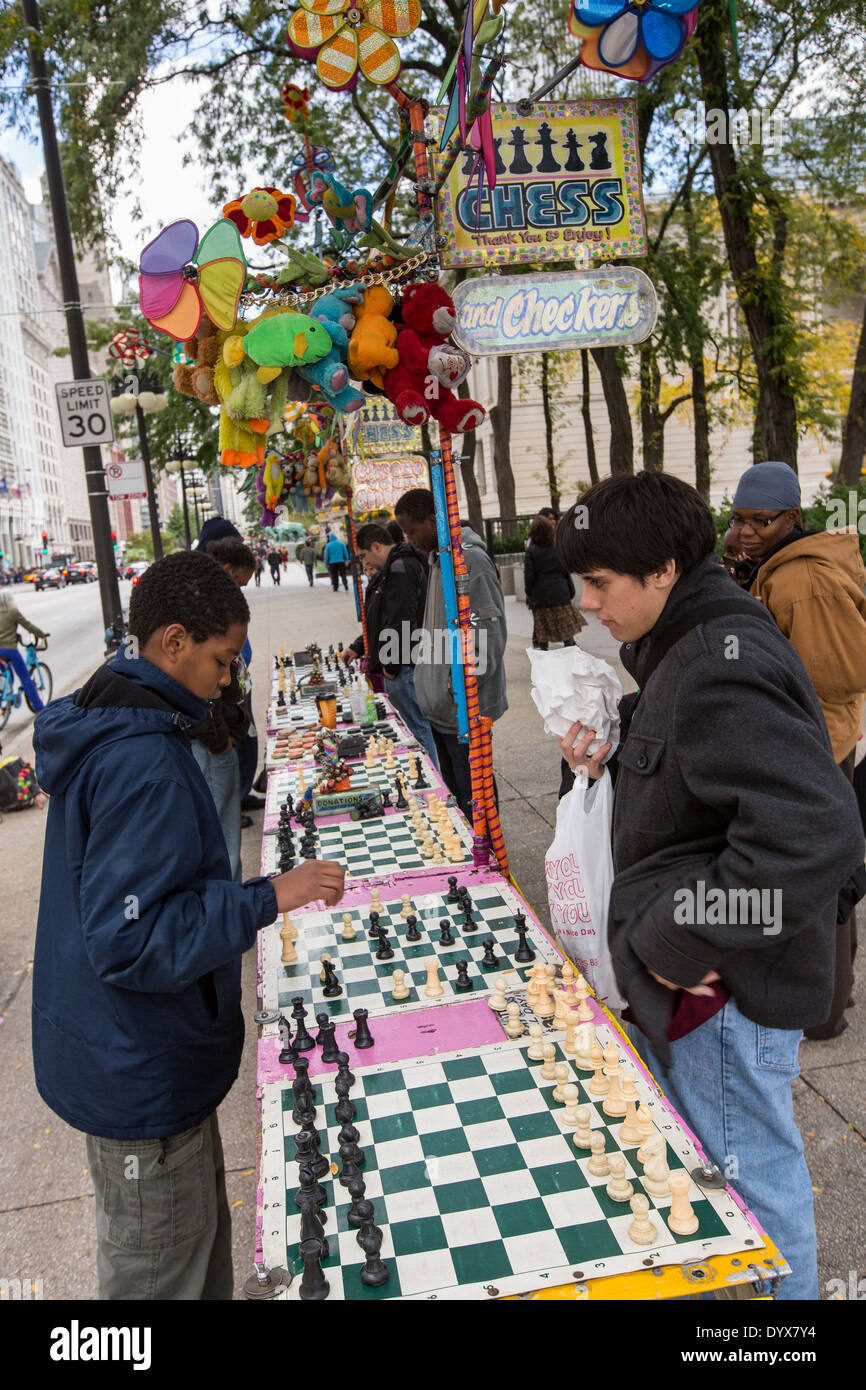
[(10, 621)]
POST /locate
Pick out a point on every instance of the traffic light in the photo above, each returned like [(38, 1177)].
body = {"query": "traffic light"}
[(44, 542), (114, 540)]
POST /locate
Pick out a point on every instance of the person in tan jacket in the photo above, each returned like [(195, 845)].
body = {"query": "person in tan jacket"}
[(812, 583)]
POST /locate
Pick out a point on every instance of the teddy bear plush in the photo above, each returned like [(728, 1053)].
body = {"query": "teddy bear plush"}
[(372, 344), (421, 384), (196, 378)]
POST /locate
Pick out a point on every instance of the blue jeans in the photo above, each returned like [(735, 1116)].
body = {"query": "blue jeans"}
[(19, 666), (309, 569), (222, 773), (455, 773), (401, 692), (731, 1082)]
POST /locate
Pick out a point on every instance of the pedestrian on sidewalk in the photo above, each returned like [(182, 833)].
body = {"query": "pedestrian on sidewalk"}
[(258, 570), (812, 584), (415, 513), (549, 590), (336, 559), (274, 565), (394, 613), (11, 618), (726, 792), (307, 558), (137, 1025)]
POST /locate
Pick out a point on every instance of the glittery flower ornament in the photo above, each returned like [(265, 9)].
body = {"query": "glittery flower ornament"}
[(265, 214), (295, 100), (349, 39), (632, 39)]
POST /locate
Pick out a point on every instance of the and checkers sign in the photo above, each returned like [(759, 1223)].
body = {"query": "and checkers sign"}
[(85, 412)]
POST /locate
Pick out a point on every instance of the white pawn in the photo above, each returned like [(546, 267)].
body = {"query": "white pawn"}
[(630, 1131), (563, 1076), (599, 1085), (613, 1103), (567, 977), (406, 908), (348, 933), (399, 991), (433, 988), (619, 1189), (514, 1026), (681, 1217), (584, 1043), (569, 1047), (497, 1000), (584, 1012), (646, 1127), (534, 1051), (548, 1071), (571, 1114), (583, 1131), (375, 901), (641, 1231), (598, 1165)]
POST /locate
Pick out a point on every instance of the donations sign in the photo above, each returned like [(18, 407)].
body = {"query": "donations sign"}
[(554, 311), (378, 483), (567, 181)]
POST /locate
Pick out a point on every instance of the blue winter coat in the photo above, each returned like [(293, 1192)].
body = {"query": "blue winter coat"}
[(335, 552), (137, 1025)]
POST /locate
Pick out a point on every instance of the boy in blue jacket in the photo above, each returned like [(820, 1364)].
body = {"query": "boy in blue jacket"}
[(137, 1024)]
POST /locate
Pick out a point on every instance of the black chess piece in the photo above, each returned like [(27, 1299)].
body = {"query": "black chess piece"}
[(308, 850), (463, 981), (304, 1041), (350, 1135), (330, 1050), (548, 164), (384, 951), (323, 1020), (314, 1285), (281, 699), (453, 895), (412, 932), (573, 164), (445, 935), (348, 1166), (374, 925), (343, 1072), (312, 1228), (489, 960), (374, 1271), (599, 159), (524, 951), (519, 163), (468, 923), (401, 804), (310, 1168), (287, 1056), (332, 987), (420, 781), (386, 799), (356, 1190), (302, 1085), (363, 1037), (293, 697), (463, 895), (344, 1110)]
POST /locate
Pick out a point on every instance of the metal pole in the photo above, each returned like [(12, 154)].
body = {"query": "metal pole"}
[(96, 490), (197, 517), (185, 510), (148, 482)]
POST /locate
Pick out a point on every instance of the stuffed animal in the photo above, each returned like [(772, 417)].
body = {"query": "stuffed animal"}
[(415, 387), (348, 212), (196, 379), (335, 312), (371, 346), (253, 394)]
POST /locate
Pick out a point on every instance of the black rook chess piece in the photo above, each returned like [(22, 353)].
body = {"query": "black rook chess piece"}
[(363, 1037), (314, 1285), (330, 1051), (304, 1042)]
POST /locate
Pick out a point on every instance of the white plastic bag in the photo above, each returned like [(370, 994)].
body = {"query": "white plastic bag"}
[(570, 684), (579, 869)]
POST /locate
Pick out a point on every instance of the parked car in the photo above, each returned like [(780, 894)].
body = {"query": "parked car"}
[(31, 575), (77, 574), (51, 579)]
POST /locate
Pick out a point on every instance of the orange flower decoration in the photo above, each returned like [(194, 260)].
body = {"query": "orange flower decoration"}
[(295, 100), (265, 214)]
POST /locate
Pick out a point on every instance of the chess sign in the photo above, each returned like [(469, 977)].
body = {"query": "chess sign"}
[(382, 431), (85, 412), (567, 180), (555, 311)]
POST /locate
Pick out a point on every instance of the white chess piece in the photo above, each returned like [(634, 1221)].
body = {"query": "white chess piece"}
[(433, 988), (681, 1217), (646, 1127), (598, 1164), (641, 1230), (400, 991), (548, 1071), (542, 1003), (581, 989), (563, 1076), (629, 1130), (287, 936), (348, 933), (571, 1115), (584, 1043), (514, 1026), (613, 1103), (619, 1189), (375, 901), (652, 1154), (534, 1050), (567, 973), (406, 906), (497, 1000), (599, 1085), (582, 1137)]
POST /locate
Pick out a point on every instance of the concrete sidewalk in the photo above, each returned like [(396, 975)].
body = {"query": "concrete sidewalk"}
[(46, 1201)]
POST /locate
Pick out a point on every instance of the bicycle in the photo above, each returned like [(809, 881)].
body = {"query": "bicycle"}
[(39, 673)]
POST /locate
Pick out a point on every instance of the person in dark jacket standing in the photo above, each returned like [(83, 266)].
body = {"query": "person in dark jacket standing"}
[(727, 872), (394, 613), (549, 590), (137, 1025)]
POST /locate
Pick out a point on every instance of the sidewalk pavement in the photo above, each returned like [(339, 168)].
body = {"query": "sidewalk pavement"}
[(46, 1200)]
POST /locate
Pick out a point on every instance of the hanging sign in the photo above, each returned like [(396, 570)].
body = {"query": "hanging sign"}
[(125, 479), (378, 483), (382, 429), (567, 179), (554, 311)]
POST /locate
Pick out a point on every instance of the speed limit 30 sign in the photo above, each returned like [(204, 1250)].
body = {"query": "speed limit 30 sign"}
[(85, 412)]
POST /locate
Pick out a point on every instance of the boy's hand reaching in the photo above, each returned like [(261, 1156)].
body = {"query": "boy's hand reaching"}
[(314, 879)]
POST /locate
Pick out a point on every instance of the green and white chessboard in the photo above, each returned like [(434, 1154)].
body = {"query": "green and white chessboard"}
[(476, 1183), (363, 778), (367, 982), (373, 849)]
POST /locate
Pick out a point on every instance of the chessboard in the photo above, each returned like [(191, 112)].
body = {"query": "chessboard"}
[(476, 1183), (298, 741), (364, 777), (368, 982), (380, 848)]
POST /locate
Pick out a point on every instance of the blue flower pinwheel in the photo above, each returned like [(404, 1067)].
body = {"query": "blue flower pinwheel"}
[(632, 39)]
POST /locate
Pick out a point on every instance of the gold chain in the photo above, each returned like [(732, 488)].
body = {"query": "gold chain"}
[(296, 300)]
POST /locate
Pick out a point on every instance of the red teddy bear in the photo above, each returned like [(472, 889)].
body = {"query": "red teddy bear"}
[(420, 385)]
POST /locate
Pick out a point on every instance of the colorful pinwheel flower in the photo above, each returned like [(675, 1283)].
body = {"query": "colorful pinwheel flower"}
[(181, 277), (265, 214), (632, 39), (353, 38)]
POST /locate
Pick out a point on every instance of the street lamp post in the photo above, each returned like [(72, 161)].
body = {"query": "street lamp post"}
[(178, 463)]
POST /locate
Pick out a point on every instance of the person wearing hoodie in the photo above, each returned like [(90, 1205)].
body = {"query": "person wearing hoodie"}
[(137, 1024), (812, 584), (415, 514), (733, 831), (336, 558), (394, 612)]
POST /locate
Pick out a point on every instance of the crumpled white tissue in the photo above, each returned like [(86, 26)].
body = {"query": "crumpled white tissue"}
[(568, 685)]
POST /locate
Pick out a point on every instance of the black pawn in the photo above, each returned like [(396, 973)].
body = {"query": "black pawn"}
[(445, 936), (349, 1167), (401, 804), (363, 1037), (314, 1285), (350, 1135), (412, 933), (311, 1166), (489, 960), (332, 986), (463, 895), (524, 952), (453, 895), (356, 1190), (281, 699), (374, 925), (468, 923), (343, 1073), (330, 1051), (344, 1110), (384, 951), (386, 799), (374, 1271), (463, 981)]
